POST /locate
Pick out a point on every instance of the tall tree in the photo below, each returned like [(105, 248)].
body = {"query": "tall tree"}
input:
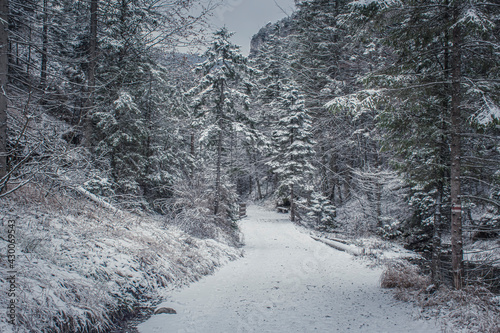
[(127, 85), (92, 62), (455, 151), (4, 65), (293, 137), (329, 62), (223, 85), (442, 48)]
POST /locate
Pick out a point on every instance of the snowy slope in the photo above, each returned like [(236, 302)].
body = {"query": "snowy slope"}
[(79, 265), (287, 282)]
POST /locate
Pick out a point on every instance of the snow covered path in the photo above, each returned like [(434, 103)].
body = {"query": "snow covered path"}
[(287, 282)]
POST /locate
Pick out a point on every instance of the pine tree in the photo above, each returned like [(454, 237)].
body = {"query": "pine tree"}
[(321, 211), (121, 130), (294, 147), (442, 48), (220, 99), (273, 62), (329, 62)]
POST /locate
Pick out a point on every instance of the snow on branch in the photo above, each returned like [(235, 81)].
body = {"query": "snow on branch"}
[(488, 113), (356, 103), (379, 3), (472, 18)]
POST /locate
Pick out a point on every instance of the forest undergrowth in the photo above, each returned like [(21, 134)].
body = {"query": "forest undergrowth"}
[(472, 309), (407, 273)]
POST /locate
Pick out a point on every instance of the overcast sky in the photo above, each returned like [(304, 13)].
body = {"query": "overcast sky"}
[(246, 17)]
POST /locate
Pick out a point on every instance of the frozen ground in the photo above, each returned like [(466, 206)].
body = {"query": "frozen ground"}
[(287, 282), (77, 264)]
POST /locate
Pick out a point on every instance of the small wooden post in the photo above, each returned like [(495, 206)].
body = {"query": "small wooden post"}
[(243, 210)]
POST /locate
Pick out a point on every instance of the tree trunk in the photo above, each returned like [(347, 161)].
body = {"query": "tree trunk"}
[(259, 190), (378, 186), (436, 240), (378, 202), (28, 58), (436, 275), (456, 206), (45, 42), (192, 153), (91, 72), (220, 108), (218, 172), (292, 204), (192, 144), (4, 65)]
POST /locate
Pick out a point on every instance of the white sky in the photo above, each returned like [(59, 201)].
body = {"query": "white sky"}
[(246, 17)]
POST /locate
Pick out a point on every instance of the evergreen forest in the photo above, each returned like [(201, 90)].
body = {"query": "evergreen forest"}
[(364, 118)]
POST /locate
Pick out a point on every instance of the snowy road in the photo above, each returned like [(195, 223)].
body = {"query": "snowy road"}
[(286, 282)]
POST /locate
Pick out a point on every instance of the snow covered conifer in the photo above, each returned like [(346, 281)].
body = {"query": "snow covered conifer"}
[(443, 85), (220, 98), (321, 211), (294, 142)]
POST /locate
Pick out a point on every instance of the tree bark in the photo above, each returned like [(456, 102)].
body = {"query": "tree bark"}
[(220, 108), (218, 173), (259, 190), (192, 144), (45, 42), (456, 206), (292, 204), (436, 241), (4, 65), (94, 6)]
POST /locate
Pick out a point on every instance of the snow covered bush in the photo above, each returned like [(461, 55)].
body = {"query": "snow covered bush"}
[(472, 309), (390, 229), (401, 274), (320, 211), (191, 209), (488, 224), (99, 186)]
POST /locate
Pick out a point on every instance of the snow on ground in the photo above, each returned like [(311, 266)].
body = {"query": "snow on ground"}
[(287, 282), (78, 264)]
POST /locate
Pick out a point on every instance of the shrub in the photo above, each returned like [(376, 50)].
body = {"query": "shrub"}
[(401, 274)]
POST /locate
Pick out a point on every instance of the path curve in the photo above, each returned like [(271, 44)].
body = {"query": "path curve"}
[(287, 282)]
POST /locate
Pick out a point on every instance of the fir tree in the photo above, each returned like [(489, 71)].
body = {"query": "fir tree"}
[(220, 99), (294, 148), (438, 81)]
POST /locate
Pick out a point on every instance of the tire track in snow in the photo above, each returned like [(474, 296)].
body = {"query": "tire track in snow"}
[(287, 282)]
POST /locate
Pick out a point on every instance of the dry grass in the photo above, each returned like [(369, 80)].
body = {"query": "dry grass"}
[(400, 274), (79, 265), (472, 309)]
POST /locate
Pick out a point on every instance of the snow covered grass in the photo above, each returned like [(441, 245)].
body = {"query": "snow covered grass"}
[(402, 275), (81, 266), (472, 309)]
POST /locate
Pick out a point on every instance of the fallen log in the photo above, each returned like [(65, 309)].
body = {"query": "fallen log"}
[(351, 249)]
